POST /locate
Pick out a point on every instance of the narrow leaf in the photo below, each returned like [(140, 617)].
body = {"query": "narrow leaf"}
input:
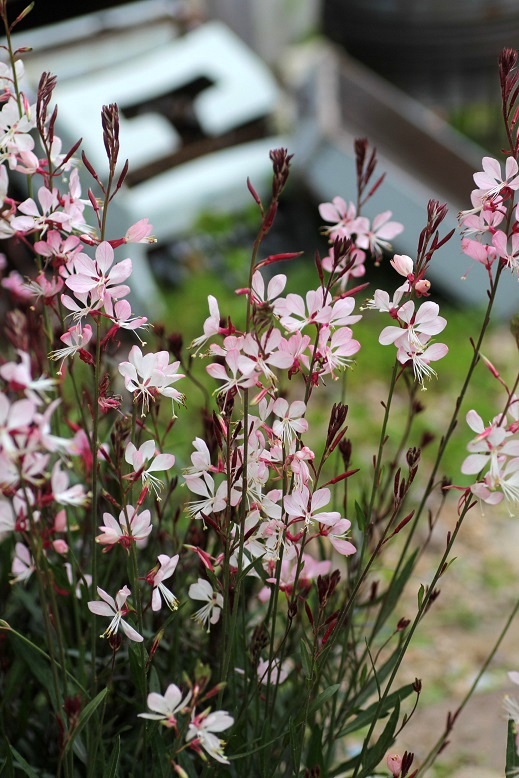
[(22, 764), (113, 765), (87, 712), (306, 660), (323, 697), (512, 758)]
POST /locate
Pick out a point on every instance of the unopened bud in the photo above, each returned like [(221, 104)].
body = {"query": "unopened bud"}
[(402, 264), (422, 287)]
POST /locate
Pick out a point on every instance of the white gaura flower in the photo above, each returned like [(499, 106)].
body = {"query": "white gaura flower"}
[(164, 707), (23, 564), (116, 610), (201, 733), (165, 571), (290, 419), (210, 612), (137, 458)]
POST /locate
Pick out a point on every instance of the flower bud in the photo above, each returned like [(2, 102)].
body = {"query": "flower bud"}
[(402, 264), (422, 287), (394, 764)]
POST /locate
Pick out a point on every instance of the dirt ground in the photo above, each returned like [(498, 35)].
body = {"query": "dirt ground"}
[(478, 592)]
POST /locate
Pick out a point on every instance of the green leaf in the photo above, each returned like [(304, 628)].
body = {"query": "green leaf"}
[(22, 764), (323, 697), (512, 759), (370, 687), (363, 719), (113, 765), (314, 754), (7, 769), (37, 665), (161, 765), (306, 660), (86, 714), (135, 655), (374, 755), (392, 595), (294, 740), (421, 593), (361, 517)]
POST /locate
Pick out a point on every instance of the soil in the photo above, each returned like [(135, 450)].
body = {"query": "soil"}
[(478, 592)]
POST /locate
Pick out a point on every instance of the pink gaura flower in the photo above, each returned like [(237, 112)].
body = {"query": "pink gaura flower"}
[(300, 505), (336, 534), (97, 277), (421, 357), (425, 321), (290, 419), (509, 255), (491, 181), (63, 493), (376, 239), (75, 339), (132, 527)]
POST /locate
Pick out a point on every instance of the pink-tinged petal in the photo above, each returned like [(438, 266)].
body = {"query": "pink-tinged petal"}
[(500, 241), (156, 604), (21, 414), (216, 371), (130, 632), (276, 286), (297, 408), (104, 256), (47, 199), (81, 284), (343, 547), (29, 208), (121, 597), (511, 168), (147, 450), (475, 250), (475, 421), (281, 359), (111, 523), (162, 462), (121, 271), (406, 311), (84, 265), (481, 491), (435, 352), (320, 498), (100, 608), (474, 463), (390, 335), (106, 597)]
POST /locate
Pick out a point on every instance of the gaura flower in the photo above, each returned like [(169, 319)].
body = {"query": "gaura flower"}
[(115, 610), (164, 707)]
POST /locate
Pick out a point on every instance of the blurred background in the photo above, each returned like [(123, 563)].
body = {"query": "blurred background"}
[(212, 85)]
